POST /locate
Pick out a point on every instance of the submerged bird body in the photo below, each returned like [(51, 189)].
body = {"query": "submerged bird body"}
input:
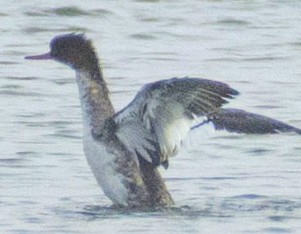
[(124, 149)]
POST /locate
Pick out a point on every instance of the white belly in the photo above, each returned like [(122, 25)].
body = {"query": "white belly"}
[(102, 165)]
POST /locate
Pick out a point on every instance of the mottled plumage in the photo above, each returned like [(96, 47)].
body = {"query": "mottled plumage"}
[(125, 148)]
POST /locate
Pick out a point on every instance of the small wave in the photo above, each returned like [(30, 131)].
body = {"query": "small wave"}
[(142, 36), (19, 93), (234, 22), (70, 11)]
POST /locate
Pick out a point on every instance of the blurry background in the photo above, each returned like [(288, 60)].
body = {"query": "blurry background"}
[(221, 183)]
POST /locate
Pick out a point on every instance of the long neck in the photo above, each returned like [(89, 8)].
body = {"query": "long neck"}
[(95, 100)]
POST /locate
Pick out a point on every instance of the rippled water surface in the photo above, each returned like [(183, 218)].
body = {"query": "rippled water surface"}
[(222, 183)]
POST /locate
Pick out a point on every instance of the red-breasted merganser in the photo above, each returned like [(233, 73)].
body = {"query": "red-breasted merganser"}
[(125, 148)]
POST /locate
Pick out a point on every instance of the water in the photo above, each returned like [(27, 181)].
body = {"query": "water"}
[(222, 183)]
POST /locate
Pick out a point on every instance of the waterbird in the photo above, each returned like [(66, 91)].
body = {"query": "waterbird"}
[(124, 149)]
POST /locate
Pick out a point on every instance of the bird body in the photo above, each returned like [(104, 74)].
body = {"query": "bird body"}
[(124, 149), (115, 168)]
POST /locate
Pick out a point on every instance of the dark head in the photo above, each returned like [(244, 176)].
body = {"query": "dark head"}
[(72, 49)]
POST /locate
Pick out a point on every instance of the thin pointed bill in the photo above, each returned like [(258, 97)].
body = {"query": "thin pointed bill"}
[(40, 57)]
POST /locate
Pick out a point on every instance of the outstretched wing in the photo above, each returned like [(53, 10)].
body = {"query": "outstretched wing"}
[(240, 121), (155, 123)]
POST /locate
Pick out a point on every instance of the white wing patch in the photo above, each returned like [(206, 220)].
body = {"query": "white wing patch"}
[(159, 133), (171, 127)]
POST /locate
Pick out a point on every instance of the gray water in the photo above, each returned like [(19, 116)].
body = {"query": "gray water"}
[(222, 183)]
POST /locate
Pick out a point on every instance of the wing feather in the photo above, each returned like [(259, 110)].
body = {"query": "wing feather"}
[(155, 123), (240, 121)]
